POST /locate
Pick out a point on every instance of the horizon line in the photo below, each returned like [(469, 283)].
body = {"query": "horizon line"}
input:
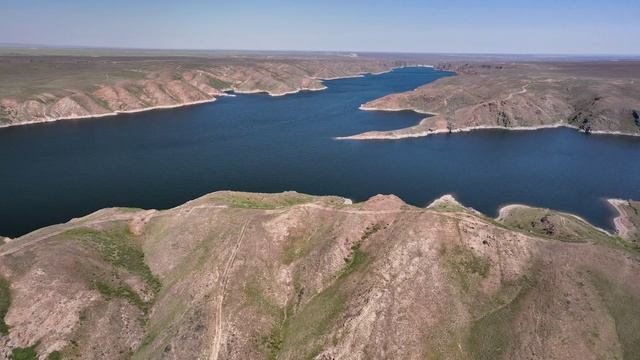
[(35, 46)]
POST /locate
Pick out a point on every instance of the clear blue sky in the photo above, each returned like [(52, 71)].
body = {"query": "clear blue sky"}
[(491, 26)]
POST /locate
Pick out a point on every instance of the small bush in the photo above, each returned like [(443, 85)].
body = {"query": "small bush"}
[(119, 248), (358, 258), (28, 353), (55, 355), (121, 291)]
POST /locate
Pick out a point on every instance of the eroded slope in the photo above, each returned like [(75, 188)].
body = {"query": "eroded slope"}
[(290, 276), (595, 97), (46, 88)]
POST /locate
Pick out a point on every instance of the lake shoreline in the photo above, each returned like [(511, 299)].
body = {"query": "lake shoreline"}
[(143, 159), (620, 221), (214, 98), (405, 133), (504, 212), (114, 113)]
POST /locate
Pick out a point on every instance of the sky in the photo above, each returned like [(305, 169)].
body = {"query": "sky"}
[(490, 26)]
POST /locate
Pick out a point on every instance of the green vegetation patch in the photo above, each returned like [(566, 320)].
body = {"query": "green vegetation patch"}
[(623, 308), (54, 355), (273, 342), (118, 247), (256, 296), (301, 332), (310, 323), (620, 243), (28, 353), (632, 210), (551, 224), (120, 290), (5, 303), (466, 265), (136, 90), (258, 201), (370, 230), (357, 260), (100, 101), (298, 245), (490, 335), (219, 84), (449, 206), (443, 343), (556, 225)]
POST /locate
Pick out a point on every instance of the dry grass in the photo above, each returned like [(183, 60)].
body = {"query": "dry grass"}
[(372, 280)]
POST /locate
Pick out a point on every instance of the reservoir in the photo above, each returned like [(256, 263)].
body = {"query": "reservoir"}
[(50, 173)]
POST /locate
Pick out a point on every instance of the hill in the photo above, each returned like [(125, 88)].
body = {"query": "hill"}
[(290, 276)]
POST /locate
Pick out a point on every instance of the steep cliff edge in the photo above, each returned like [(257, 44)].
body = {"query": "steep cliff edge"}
[(290, 276)]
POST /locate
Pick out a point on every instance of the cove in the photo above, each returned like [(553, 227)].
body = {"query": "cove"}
[(50, 173)]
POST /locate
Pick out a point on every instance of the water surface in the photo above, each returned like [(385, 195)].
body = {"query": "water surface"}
[(52, 172)]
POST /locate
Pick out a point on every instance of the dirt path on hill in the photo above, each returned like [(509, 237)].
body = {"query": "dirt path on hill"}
[(215, 346), (54, 230), (524, 90)]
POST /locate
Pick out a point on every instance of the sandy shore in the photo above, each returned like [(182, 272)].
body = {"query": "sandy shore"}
[(375, 73), (343, 77), (621, 223), (404, 134), (114, 113), (366, 108), (278, 94), (421, 129), (436, 124)]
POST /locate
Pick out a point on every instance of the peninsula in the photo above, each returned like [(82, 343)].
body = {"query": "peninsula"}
[(593, 96)]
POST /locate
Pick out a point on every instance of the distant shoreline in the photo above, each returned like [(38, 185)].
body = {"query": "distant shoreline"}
[(425, 133), (403, 133), (214, 98), (109, 114)]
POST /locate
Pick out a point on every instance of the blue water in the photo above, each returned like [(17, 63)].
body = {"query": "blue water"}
[(52, 172)]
